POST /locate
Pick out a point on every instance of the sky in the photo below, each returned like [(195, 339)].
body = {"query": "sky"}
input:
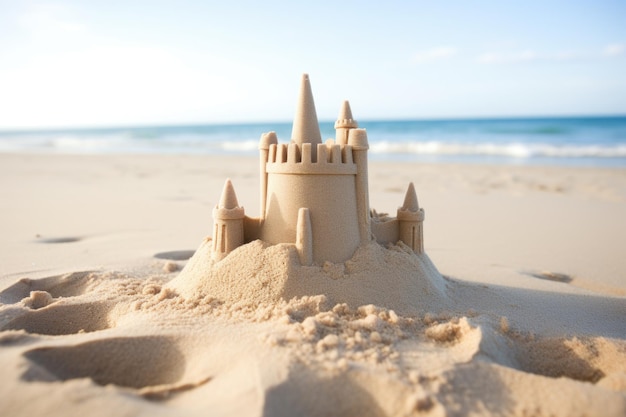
[(134, 62)]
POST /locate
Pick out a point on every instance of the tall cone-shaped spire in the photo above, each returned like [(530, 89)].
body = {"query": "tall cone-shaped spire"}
[(306, 129), (228, 200), (410, 199)]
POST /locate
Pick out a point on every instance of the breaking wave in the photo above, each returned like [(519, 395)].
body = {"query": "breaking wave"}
[(510, 150), (586, 140)]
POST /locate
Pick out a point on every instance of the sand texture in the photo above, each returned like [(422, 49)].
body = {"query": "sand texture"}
[(107, 306)]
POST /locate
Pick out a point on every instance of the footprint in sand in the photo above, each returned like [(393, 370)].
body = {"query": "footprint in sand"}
[(157, 367), (574, 358), (59, 239), (550, 276), (68, 285), (48, 310), (62, 319), (134, 362), (176, 255), (578, 358)]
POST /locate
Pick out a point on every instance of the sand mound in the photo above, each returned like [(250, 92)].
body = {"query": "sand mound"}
[(394, 277)]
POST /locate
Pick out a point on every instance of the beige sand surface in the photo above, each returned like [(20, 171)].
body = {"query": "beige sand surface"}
[(528, 317)]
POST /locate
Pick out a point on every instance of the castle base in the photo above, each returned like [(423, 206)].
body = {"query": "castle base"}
[(395, 277)]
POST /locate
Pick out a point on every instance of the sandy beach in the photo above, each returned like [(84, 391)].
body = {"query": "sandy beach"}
[(532, 322)]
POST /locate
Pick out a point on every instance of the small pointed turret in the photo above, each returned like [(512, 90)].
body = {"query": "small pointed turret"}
[(410, 200), (345, 118), (344, 123), (410, 220), (306, 129), (228, 232), (228, 199)]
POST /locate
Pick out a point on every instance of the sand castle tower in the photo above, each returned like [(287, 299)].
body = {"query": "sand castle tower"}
[(320, 177), (314, 194), (228, 230), (410, 219)]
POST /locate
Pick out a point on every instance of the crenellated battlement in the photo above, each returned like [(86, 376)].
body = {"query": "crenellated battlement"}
[(294, 158)]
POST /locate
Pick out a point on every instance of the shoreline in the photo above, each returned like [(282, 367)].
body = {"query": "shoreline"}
[(575, 141)]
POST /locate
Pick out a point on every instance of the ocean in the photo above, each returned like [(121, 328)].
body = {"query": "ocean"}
[(572, 141)]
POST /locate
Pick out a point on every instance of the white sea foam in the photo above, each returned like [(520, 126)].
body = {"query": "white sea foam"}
[(121, 143), (510, 150), (599, 141)]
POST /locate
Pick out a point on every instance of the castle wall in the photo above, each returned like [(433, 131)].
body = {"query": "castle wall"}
[(252, 228), (386, 231), (331, 200)]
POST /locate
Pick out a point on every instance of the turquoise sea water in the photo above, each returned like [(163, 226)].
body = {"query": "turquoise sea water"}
[(576, 141)]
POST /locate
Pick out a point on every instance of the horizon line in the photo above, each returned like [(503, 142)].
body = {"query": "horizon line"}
[(115, 126)]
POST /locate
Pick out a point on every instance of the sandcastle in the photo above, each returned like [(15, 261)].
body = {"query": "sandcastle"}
[(314, 195)]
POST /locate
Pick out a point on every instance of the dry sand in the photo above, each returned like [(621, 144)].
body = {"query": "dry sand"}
[(528, 315)]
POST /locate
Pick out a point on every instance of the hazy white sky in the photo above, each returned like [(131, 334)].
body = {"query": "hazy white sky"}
[(99, 63)]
